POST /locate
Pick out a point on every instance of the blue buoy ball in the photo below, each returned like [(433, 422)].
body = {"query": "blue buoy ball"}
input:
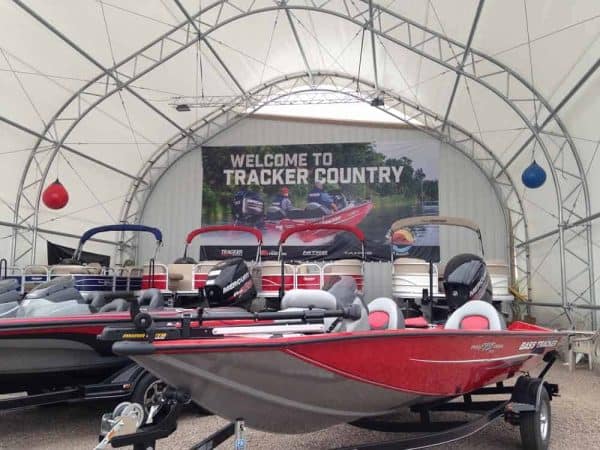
[(533, 176)]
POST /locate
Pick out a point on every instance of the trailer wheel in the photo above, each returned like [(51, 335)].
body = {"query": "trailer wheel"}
[(535, 426), (148, 392)]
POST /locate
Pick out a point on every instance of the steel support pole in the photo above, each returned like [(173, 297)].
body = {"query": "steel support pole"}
[(373, 50)]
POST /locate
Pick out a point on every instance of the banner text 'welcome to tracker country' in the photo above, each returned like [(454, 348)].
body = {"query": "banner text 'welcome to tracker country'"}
[(292, 169)]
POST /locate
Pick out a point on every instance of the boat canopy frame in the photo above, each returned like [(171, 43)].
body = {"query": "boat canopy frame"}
[(216, 228), (439, 220)]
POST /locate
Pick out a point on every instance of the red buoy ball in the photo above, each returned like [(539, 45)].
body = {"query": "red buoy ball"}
[(55, 196)]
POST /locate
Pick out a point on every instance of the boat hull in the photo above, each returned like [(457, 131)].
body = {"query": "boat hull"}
[(38, 353), (307, 398), (352, 215), (301, 384)]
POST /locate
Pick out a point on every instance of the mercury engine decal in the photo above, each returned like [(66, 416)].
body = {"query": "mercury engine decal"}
[(237, 282)]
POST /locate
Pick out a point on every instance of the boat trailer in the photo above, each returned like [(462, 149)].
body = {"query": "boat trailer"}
[(528, 407)]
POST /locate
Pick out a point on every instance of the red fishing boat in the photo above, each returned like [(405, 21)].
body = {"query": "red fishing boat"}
[(327, 358)]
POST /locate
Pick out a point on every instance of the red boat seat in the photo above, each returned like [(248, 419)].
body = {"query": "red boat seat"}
[(384, 314), (475, 323), (475, 315)]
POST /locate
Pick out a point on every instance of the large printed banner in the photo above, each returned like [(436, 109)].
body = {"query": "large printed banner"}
[(275, 188)]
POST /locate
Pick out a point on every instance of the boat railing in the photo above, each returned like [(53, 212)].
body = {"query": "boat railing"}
[(156, 275), (96, 278), (308, 275), (88, 278)]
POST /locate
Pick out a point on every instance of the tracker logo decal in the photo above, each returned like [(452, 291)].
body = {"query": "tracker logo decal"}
[(487, 347), (530, 345)]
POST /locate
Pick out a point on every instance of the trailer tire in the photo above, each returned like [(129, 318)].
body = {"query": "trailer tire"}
[(536, 426), (147, 391)]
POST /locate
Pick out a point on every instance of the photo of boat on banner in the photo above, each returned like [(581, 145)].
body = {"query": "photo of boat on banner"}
[(275, 188)]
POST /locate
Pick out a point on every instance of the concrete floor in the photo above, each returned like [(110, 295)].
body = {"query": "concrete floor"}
[(576, 425)]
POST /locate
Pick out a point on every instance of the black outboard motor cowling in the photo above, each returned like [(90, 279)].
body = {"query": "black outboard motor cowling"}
[(229, 283), (247, 207), (466, 278)]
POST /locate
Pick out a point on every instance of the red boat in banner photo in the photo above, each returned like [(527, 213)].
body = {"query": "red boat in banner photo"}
[(352, 214), (276, 188)]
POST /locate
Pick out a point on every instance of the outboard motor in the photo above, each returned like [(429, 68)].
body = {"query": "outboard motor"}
[(247, 207), (466, 278), (229, 283), (340, 200)]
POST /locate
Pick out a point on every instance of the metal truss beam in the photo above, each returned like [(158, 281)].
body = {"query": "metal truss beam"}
[(112, 74), (553, 113), (373, 49), (584, 221), (464, 60), (507, 85), (219, 121), (201, 37), (299, 43), (66, 147), (57, 233)]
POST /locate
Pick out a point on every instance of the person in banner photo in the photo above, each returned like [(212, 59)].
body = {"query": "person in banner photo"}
[(282, 200), (318, 195)]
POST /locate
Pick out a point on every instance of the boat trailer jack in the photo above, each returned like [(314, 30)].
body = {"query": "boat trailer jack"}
[(125, 426)]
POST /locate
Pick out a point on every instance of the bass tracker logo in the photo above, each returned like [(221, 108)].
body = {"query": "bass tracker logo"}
[(530, 345)]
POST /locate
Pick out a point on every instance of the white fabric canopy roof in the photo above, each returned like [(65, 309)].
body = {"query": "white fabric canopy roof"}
[(413, 50)]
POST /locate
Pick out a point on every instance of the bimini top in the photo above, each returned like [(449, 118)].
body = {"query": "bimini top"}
[(213, 228), (435, 220), (116, 227)]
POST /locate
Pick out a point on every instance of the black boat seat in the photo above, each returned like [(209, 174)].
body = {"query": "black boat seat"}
[(97, 300), (151, 298), (9, 291), (116, 305), (57, 290), (9, 309), (384, 314), (476, 315)]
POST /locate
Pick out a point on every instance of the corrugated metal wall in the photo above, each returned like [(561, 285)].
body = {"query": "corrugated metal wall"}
[(175, 205)]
